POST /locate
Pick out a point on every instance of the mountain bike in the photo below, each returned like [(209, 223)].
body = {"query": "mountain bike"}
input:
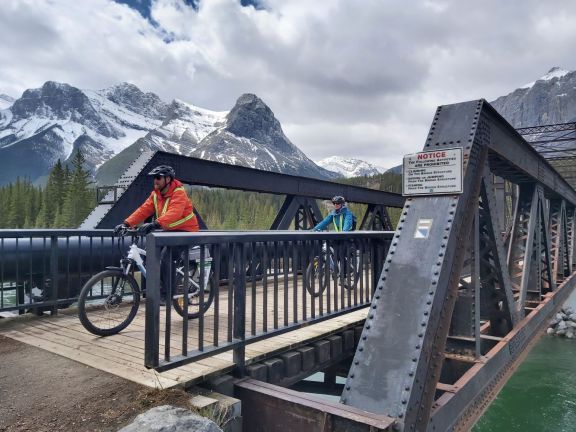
[(343, 266), (109, 300)]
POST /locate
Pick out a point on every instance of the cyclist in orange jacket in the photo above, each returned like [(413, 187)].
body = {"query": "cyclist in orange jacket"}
[(172, 208), (169, 203)]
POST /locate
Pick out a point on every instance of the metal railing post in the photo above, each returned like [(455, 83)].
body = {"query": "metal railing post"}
[(54, 274), (152, 330), (239, 308)]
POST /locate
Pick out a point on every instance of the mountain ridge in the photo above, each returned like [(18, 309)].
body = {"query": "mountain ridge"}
[(56, 120), (349, 167), (548, 100)]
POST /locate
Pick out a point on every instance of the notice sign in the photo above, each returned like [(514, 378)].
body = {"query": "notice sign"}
[(432, 173)]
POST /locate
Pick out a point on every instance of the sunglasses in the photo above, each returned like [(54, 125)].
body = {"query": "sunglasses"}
[(158, 177)]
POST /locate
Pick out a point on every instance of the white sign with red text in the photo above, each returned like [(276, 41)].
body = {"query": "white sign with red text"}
[(432, 173)]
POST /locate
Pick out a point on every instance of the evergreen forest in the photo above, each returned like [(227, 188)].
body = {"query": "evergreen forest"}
[(69, 196), (64, 202)]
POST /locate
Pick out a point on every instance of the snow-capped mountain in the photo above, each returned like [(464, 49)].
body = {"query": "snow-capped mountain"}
[(5, 102), (555, 72), (248, 135), (349, 167), (49, 123), (550, 99), (252, 136), (184, 127), (112, 125)]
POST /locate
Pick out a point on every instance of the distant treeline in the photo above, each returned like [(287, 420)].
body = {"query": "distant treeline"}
[(69, 196), (64, 202)]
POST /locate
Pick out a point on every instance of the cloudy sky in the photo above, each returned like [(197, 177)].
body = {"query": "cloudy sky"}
[(355, 78)]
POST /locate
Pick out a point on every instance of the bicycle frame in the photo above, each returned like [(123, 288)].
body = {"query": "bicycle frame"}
[(135, 256)]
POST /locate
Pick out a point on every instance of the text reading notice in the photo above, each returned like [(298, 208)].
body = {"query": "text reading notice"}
[(432, 173)]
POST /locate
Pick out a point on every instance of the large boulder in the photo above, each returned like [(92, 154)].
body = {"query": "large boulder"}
[(167, 418)]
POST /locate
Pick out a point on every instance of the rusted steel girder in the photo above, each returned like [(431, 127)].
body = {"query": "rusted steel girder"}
[(267, 407), (415, 344)]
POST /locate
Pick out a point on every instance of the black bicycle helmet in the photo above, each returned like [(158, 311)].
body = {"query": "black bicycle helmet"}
[(163, 170), (338, 199)]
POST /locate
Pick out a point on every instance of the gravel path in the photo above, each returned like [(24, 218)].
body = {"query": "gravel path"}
[(41, 391)]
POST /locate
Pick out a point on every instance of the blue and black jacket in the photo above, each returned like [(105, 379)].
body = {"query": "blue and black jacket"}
[(343, 220)]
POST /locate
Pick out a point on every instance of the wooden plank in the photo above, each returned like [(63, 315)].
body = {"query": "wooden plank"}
[(147, 378), (137, 344)]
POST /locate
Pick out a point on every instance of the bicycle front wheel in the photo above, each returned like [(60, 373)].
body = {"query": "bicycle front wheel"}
[(108, 302)]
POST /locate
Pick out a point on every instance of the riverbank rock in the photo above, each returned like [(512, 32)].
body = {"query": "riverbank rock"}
[(563, 324), (167, 418)]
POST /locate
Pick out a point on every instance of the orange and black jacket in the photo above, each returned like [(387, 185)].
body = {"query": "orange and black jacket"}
[(172, 208)]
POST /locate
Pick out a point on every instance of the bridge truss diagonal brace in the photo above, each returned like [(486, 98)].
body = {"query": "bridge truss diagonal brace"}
[(523, 236), (497, 299), (376, 218), (562, 267), (571, 214), (303, 211), (530, 253), (398, 360), (546, 282)]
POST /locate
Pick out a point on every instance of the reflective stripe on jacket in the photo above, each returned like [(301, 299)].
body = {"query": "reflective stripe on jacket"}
[(173, 209)]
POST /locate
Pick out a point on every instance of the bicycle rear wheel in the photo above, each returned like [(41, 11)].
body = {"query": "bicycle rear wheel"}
[(316, 279), (108, 302), (195, 306)]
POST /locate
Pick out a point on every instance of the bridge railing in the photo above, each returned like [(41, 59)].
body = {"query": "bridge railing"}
[(271, 288), (44, 269)]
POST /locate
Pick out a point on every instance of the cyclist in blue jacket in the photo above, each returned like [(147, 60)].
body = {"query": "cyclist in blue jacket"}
[(341, 217)]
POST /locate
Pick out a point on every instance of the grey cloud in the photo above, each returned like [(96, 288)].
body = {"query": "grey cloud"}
[(354, 78)]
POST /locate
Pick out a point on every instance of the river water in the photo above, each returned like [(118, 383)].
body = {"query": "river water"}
[(541, 395)]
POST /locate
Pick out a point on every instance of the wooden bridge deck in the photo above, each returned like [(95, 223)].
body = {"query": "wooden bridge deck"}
[(123, 354)]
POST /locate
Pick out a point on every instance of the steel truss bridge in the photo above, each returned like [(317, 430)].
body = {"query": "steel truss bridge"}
[(557, 143), (446, 319)]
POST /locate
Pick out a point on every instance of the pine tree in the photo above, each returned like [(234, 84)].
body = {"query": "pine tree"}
[(59, 221), (16, 212), (78, 201), (52, 197)]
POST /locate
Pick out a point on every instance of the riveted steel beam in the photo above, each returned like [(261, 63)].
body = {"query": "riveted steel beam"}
[(401, 354), (214, 174), (398, 360)]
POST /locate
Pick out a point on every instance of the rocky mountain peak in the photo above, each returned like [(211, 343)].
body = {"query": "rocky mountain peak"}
[(53, 100), (131, 97), (554, 72), (550, 99), (112, 125), (251, 118)]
